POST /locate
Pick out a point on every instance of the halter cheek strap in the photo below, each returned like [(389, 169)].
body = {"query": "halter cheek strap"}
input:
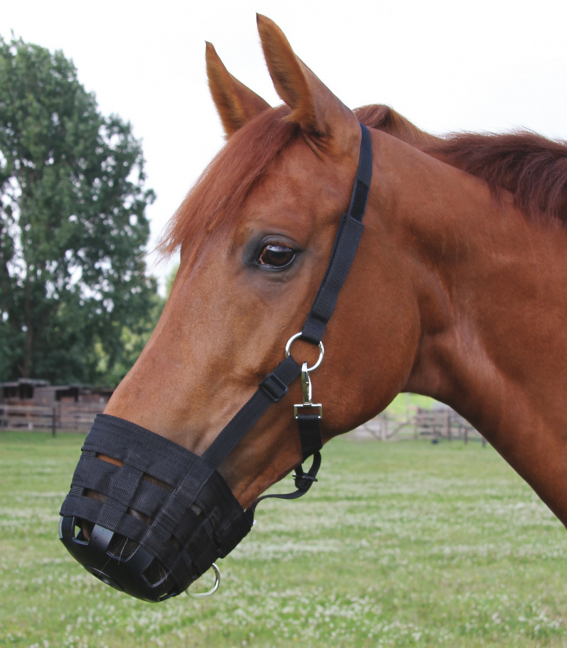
[(276, 384), (344, 248)]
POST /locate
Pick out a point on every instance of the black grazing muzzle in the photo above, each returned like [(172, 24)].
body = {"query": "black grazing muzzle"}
[(154, 524), (148, 540)]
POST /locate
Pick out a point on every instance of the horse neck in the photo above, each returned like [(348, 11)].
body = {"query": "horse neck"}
[(490, 287)]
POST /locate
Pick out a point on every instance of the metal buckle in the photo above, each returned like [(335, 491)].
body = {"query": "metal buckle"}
[(305, 476), (297, 407), (273, 387)]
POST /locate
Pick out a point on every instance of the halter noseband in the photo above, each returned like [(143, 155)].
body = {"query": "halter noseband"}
[(153, 537)]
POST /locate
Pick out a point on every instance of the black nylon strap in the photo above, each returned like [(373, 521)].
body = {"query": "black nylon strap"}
[(363, 178), (275, 385), (303, 482), (286, 372), (337, 271), (309, 434), (344, 249), (311, 442)]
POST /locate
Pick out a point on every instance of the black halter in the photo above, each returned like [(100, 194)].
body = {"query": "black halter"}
[(152, 541)]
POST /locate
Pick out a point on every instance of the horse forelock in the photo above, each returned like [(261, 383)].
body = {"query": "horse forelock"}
[(531, 167), (217, 196)]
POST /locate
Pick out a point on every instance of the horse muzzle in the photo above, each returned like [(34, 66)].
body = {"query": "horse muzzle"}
[(160, 519)]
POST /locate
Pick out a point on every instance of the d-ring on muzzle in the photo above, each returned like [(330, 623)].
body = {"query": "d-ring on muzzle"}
[(152, 525)]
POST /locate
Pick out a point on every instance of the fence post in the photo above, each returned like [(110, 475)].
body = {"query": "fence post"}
[(384, 427), (466, 434), (53, 421), (448, 424)]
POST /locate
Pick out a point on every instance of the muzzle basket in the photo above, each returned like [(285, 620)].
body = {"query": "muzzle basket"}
[(158, 521)]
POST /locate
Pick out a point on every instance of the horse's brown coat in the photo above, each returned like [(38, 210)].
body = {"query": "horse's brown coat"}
[(457, 290)]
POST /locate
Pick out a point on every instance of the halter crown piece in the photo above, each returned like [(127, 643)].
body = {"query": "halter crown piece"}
[(152, 540)]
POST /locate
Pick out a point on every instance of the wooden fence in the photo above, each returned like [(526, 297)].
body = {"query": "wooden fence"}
[(74, 417), (435, 424), (78, 417)]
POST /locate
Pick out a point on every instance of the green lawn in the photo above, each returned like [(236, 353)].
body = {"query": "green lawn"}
[(399, 544)]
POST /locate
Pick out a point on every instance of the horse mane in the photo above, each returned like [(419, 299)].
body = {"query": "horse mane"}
[(389, 121), (531, 167), (225, 184)]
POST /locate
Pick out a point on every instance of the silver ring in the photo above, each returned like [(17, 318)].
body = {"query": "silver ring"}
[(321, 351), (212, 590)]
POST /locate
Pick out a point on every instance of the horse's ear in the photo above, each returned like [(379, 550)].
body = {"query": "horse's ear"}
[(315, 108), (236, 103)]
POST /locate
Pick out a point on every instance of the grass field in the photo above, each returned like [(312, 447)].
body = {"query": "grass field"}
[(399, 544)]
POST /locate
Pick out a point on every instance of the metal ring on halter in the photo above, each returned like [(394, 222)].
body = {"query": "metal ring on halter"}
[(321, 351), (212, 590)]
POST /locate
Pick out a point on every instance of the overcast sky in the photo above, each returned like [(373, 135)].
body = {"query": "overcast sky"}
[(446, 65)]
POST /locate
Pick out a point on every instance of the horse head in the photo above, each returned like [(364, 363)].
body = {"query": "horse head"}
[(256, 235)]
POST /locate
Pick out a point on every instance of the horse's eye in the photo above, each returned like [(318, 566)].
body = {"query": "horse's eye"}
[(276, 256)]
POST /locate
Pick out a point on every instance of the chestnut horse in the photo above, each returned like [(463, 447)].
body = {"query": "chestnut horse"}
[(457, 290)]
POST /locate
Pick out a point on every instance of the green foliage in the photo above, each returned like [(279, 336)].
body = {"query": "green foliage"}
[(398, 544), (72, 224), (132, 342)]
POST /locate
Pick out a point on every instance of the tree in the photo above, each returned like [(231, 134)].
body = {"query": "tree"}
[(72, 223), (113, 367)]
